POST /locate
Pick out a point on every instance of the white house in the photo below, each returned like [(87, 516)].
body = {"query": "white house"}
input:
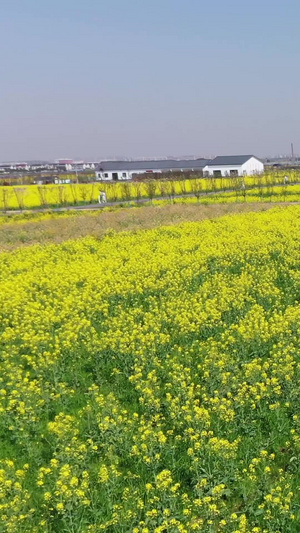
[(125, 170), (234, 165)]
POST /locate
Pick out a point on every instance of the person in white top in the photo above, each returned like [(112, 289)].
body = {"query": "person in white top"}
[(102, 197)]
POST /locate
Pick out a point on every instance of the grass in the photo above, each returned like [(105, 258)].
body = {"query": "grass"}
[(34, 228)]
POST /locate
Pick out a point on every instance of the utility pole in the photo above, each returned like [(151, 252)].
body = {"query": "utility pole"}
[(292, 151)]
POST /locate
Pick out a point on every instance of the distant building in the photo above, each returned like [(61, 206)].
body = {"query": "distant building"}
[(62, 181), (40, 167), (7, 167), (64, 164), (125, 170), (80, 166), (47, 180), (44, 180), (68, 165), (234, 165)]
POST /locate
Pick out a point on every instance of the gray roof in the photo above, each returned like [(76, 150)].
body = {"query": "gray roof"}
[(230, 160), (165, 164)]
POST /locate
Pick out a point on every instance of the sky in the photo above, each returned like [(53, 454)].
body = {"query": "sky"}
[(92, 79)]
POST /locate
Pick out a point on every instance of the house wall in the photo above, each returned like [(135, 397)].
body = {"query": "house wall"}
[(224, 169), (252, 166), (60, 181), (107, 175)]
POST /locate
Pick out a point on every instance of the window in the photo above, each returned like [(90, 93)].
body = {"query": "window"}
[(217, 173), (124, 174), (234, 172), (105, 175)]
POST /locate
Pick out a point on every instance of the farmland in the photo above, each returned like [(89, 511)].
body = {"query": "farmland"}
[(33, 227), (150, 379), (253, 188)]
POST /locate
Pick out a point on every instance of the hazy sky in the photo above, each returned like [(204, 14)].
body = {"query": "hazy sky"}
[(97, 78)]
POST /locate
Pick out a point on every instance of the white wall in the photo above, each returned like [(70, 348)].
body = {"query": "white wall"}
[(108, 175), (225, 170), (252, 166), (128, 174), (62, 180)]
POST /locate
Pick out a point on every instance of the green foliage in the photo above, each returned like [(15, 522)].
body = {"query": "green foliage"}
[(150, 381)]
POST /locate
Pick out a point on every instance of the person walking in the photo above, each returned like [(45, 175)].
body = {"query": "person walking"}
[(102, 197)]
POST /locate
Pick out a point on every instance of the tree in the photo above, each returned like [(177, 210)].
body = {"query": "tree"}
[(126, 191), (196, 186), (83, 192), (43, 194), (74, 192), (150, 189), (137, 191), (5, 196), (20, 196), (171, 190)]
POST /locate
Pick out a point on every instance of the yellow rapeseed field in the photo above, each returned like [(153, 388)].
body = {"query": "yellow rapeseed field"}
[(49, 196), (150, 381)]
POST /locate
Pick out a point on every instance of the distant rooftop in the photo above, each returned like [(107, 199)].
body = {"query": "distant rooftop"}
[(230, 160), (164, 164)]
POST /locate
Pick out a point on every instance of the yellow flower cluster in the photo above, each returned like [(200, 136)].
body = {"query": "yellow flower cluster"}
[(256, 187), (149, 381)]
